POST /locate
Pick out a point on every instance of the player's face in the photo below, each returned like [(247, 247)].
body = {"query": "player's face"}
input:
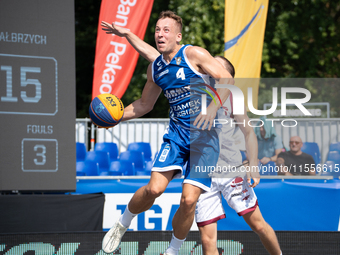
[(167, 35)]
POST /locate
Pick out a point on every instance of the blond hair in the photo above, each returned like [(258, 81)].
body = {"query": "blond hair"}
[(172, 15)]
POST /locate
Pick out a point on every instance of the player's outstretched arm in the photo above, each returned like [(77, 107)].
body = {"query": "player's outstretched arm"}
[(146, 103), (251, 148), (145, 50), (206, 63)]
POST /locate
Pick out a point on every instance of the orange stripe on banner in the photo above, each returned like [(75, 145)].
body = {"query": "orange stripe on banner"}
[(115, 59)]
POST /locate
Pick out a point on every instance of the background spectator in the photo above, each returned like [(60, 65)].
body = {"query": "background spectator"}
[(295, 162), (269, 143)]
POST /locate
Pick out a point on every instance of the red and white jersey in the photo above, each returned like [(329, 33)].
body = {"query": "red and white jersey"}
[(235, 190), (229, 153)]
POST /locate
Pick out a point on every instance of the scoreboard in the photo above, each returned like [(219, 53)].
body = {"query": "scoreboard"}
[(37, 95)]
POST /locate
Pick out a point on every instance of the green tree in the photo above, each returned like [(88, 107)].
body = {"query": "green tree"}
[(302, 40), (86, 22), (203, 22)]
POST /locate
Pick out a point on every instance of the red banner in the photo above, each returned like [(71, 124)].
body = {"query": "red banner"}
[(115, 59)]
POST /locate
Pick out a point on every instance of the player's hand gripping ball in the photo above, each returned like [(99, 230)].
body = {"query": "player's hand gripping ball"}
[(106, 110)]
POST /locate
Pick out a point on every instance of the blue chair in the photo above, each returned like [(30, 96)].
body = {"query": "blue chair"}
[(122, 167), (100, 157), (334, 156), (313, 150), (80, 166), (80, 151), (111, 148), (333, 162), (332, 168), (334, 147), (136, 157), (148, 166), (143, 147), (329, 167), (147, 170), (268, 169), (87, 168)]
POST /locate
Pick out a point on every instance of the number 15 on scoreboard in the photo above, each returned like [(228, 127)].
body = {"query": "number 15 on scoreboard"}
[(29, 85)]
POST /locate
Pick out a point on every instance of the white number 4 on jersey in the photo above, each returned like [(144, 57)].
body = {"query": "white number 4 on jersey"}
[(180, 74)]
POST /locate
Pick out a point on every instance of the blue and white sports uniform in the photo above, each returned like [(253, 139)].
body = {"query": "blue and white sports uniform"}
[(183, 143)]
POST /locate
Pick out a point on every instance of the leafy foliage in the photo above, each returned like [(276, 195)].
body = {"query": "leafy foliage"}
[(302, 39), (86, 16)]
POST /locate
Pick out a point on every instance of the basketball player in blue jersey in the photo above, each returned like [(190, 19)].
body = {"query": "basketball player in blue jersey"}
[(190, 132)]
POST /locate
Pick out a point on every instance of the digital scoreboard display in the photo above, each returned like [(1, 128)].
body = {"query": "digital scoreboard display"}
[(37, 95)]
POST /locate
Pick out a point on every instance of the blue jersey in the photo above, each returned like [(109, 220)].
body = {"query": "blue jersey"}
[(181, 84)]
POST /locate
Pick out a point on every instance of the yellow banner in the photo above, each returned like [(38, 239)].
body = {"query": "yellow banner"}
[(245, 22)]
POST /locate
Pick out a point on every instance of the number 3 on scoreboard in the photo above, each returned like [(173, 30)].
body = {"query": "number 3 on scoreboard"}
[(39, 155)]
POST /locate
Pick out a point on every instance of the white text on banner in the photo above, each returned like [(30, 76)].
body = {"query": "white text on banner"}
[(115, 59)]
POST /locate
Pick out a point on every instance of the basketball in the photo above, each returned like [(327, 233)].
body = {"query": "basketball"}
[(106, 110)]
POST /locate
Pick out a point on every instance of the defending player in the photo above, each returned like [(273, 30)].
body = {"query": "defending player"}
[(236, 191), (189, 131)]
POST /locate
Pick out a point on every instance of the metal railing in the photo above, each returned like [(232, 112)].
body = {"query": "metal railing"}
[(137, 130), (323, 131)]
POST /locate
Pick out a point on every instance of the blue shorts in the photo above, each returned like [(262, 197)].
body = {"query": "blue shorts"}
[(186, 149)]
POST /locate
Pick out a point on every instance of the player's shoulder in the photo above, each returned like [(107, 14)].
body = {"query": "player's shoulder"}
[(195, 52), (157, 60)]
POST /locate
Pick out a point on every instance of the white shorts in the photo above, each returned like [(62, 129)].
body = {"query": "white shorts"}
[(236, 191)]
